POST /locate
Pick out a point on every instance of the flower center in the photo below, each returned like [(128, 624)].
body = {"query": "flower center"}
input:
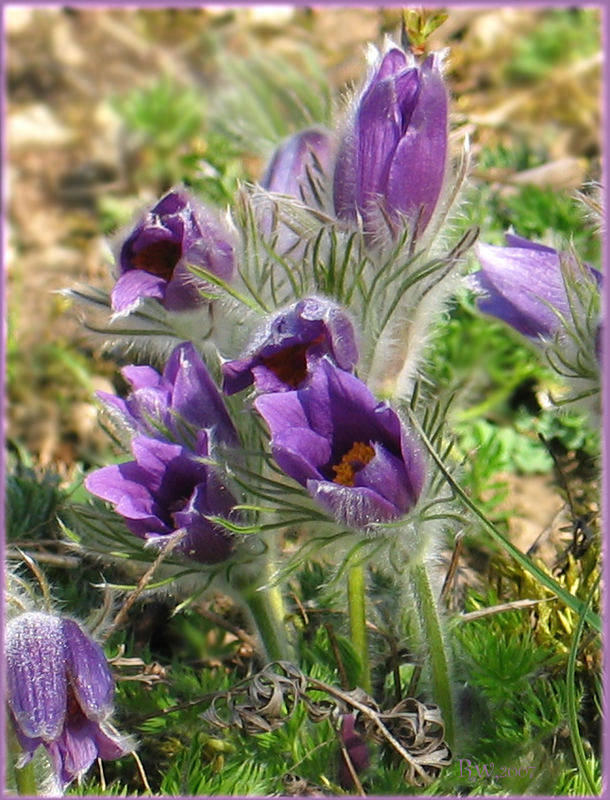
[(357, 456), (289, 365), (159, 258)]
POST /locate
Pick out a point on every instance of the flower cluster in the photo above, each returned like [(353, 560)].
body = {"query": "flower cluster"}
[(291, 332)]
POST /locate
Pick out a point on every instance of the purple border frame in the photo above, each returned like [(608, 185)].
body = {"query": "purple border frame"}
[(605, 481)]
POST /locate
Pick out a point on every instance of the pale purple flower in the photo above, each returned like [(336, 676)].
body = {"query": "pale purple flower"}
[(153, 259), (286, 351), (170, 490), (60, 694), (180, 402), (524, 285), (393, 153), (352, 453), (306, 153), (296, 169)]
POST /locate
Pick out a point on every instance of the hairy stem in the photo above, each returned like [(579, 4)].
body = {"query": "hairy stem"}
[(266, 606), (357, 620), (432, 630)]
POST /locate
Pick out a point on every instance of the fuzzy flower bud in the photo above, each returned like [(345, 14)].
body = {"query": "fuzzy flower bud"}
[(353, 454), (60, 694), (357, 750), (286, 351), (153, 259), (393, 154)]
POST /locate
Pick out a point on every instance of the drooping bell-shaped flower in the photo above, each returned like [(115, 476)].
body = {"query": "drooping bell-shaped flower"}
[(352, 453), (153, 259), (527, 284), (60, 694), (180, 402), (393, 154), (170, 491), (284, 353)]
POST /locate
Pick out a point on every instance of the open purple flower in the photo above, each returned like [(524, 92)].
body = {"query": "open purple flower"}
[(169, 490), (524, 285), (153, 260), (286, 351), (183, 397), (357, 750), (353, 454), (60, 694), (394, 152)]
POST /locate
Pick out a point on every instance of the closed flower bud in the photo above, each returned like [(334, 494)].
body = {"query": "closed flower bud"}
[(153, 259), (60, 694), (286, 351), (353, 454), (393, 154)]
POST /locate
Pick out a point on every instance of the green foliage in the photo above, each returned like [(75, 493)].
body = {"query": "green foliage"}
[(560, 35)]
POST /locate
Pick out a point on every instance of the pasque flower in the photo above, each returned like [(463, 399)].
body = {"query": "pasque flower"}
[(181, 401), (393, 152), (169, 490), (285, 352), (308, 151), (153, 259), (60, 694), (297, 169), (353, 454), (526, 285)]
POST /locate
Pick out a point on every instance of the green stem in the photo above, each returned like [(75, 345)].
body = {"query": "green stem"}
[(26, 780), (268, 614), (432, 630), (357, 621)]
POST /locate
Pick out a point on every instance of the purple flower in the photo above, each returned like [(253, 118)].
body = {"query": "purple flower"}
[(357, 751), (153, 260), (60, 694), (184, 397), (393, 154), (524, 284), (287, 350), (353, 454), (169, 490), (308, 151), (296, 169)]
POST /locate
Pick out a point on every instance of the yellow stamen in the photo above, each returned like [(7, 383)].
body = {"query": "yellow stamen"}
[(357, 457)]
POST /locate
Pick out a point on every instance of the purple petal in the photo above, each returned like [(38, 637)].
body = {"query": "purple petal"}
[(125, 486), (195, 396), (353, 506), (88, 672), (417, 172), (519, 286), (287, 170), (131, 287), (35, 674), (357, 750), (386, 474)]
